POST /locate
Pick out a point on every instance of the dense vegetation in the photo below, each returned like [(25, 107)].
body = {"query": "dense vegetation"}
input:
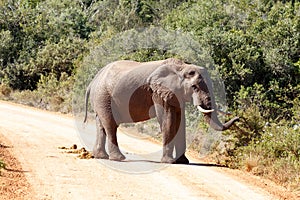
[(254, 45)]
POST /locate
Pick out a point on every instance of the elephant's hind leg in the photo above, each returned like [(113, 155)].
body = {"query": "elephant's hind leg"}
[(109, 127), (113, 147), (99, 148)]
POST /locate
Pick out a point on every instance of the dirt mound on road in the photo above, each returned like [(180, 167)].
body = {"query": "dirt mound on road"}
[(82, 153)]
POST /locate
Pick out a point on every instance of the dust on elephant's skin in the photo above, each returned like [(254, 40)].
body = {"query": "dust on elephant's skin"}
[(128, 91)]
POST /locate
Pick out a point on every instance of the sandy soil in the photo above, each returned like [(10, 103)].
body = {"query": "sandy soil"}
[(35, 136), (13, 183)]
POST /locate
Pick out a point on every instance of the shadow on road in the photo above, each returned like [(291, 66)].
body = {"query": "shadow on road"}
[(192, 164), (4, 146), (15, 170), (206, 165)]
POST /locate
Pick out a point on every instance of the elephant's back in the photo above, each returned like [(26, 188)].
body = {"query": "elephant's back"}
[(123, 75), (133, 68), (129, 72)]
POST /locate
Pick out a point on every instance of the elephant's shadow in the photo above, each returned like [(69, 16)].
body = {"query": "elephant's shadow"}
[(206, 165), (200, 164)]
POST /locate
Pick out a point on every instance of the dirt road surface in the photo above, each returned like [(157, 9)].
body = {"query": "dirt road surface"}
[(53, 174)]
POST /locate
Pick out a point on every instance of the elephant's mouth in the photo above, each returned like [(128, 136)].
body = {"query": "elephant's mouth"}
[(203, 105)]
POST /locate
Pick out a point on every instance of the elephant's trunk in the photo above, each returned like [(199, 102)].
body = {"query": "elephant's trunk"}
[(214, 122), (207, 105)]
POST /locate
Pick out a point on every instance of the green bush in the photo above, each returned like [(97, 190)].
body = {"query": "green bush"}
[(276, 154), (255, 43), (57, 58), (265, 147), (56, 92), (52, 93), (39, 38)]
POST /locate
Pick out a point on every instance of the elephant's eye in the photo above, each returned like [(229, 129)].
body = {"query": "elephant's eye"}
[(192, 73)]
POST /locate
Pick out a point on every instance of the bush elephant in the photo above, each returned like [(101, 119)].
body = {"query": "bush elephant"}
[(128, 91)]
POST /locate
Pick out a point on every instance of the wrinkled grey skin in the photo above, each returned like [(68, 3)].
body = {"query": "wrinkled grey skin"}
[(129, 91)]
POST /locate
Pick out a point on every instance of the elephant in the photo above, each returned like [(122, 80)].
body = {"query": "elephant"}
[(128, 91)]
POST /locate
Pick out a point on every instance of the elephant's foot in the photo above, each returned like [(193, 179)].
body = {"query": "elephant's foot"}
[(182, 160), (100, 154), (117, 156), (167, 159)]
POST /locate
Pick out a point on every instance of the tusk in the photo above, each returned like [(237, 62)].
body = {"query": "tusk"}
[(224, 113), (204, 111)]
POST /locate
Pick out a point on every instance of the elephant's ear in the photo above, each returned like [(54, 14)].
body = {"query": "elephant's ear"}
[(165, 81)]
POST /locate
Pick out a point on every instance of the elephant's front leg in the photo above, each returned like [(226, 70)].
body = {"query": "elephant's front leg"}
[(107, 128), (169, 131), (180, 138)]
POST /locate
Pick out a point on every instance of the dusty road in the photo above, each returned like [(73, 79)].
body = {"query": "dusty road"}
[(36, 136)]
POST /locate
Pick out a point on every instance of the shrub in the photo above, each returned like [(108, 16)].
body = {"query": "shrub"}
[(276, 152), (267, 148), (5, 90), (56, 93), (26, 97), (52, 93), (250, 44)]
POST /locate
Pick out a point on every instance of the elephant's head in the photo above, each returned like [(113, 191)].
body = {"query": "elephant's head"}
[(175, 80)]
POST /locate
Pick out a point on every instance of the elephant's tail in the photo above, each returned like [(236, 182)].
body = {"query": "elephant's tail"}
[(87, 94)]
